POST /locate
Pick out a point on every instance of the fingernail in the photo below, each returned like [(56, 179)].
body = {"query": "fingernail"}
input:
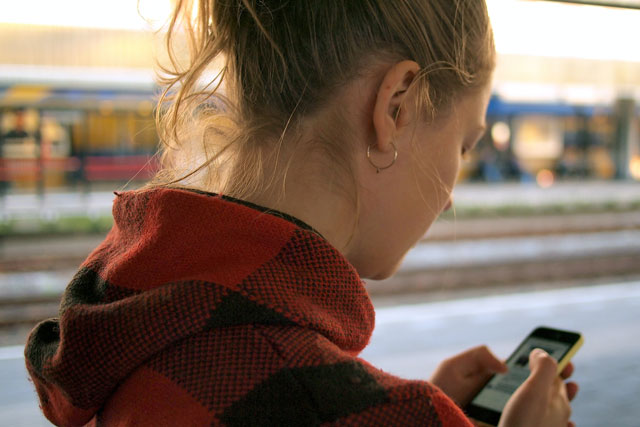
[(538, 352)]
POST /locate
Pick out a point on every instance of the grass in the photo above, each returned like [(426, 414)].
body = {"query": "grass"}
[(78, 225), (69, 225), (464, 212)]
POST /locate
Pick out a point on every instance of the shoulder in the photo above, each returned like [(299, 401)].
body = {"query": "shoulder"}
[(274, 375), (340, 389), (330, 390), (407, 402)]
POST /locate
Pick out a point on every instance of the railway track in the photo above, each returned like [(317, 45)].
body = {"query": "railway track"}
[(67, 252), (24, 311), (509, 276), (27, 310)]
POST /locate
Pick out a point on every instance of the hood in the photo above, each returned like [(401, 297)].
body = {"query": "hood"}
[(177, 262)]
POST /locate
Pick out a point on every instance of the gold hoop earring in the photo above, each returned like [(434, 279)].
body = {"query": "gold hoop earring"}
[(379, 168)]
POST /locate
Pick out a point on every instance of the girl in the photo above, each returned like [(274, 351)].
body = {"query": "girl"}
[(229, 290)]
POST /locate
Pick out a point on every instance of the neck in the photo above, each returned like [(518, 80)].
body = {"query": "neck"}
[(301, 177), (307, 193)]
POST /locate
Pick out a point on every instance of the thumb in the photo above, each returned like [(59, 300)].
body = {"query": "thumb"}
[(543, 368)]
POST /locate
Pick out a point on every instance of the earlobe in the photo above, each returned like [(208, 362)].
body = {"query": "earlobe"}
[(388, 112)]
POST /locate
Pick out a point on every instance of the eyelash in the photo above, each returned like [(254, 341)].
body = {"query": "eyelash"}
[(465, 150)]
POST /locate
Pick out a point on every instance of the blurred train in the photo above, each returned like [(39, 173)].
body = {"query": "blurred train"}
[(61, 136), (55, 136), (547, 141)]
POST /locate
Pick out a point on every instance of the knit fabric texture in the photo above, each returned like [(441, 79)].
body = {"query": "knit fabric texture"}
[(202, 310)]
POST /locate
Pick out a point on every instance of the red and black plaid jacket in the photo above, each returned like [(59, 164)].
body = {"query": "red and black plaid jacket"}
[(202, 310)]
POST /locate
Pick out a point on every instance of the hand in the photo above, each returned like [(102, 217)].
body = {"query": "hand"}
[(543, 399), (462, 376)]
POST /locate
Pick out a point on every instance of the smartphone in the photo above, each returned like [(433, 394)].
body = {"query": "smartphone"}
[(486, 407)]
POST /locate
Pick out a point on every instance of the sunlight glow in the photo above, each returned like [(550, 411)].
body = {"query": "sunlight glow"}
[(538, 28), (114, 14), (545, 178), (634, 167), (522, 27)]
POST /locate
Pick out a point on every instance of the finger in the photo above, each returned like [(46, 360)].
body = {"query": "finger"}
[(486, 361), (561, 388), (572, 390), (543, 369), (567, 371), (563, 394)]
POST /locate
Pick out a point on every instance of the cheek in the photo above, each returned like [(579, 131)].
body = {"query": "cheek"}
[(438, 178), (456, 163)]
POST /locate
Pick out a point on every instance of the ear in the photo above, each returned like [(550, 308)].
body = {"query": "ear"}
[(388, 117)]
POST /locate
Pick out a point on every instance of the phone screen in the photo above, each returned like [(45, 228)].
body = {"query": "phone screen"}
[(495, 394)]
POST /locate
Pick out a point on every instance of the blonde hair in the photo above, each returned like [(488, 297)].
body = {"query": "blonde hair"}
[(276, 62)]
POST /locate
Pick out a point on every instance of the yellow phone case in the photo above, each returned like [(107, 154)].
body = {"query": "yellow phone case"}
[(567, 357)]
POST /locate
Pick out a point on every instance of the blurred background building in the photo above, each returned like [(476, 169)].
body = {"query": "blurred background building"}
[(77, 94)]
